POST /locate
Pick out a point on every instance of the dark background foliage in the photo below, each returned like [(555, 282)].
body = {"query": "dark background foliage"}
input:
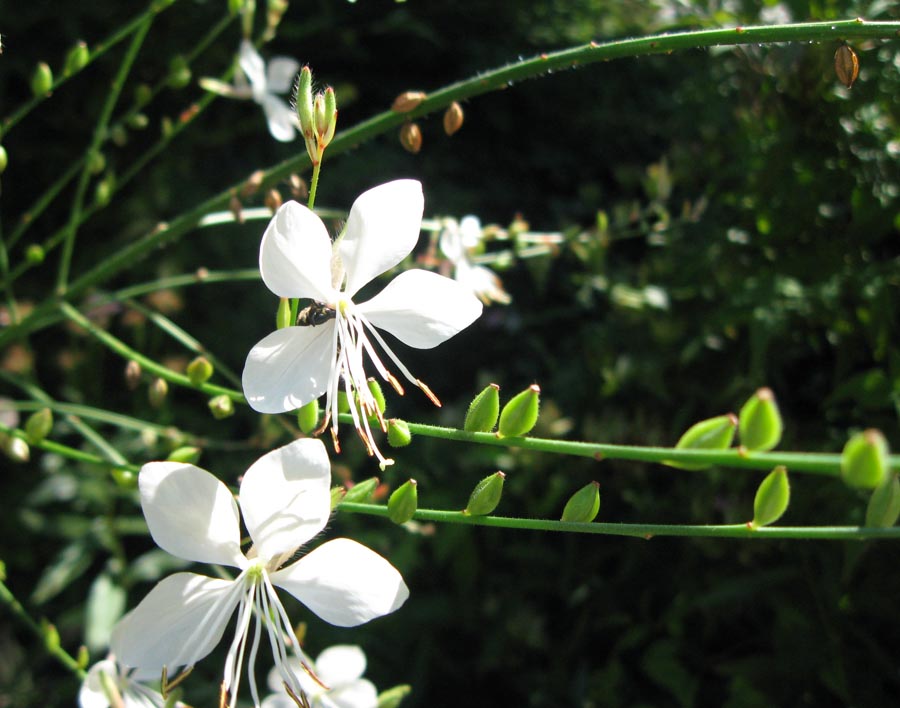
[(741, 212)]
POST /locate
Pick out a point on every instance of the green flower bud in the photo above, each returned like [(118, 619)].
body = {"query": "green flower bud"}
[(179, 72), (83, 657), (305, 110), (398, 434), (308, 416), (584, 505), (483, 411), (234, 6), (884, 504), (772, 498), (330, 117), (77, 58), (377, 394), (132, 374), (159, 389), (35, 254), (362, 491), (96, 162), (486, 495), (103, 191), (283, 314), (520, 414), (38, 425), (188, 454), (710, 434), (51, 636), (200, 370), (4, 159), (392, 697), (126, 479), (16, 449), (403, 502), (138, 121), (41, 80), (337, 496), (864, 461), (142, 94), (760, 425), (118, 135), (343, 402), (221, 406)]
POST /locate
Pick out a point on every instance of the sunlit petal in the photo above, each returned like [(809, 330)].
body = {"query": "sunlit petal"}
[(288, 368), (340, 664), (295, 254), (253, 66), (91, 694), (422, 309), (356, 694), (281, 119), (280, 74), (344, 583), (190, 513)]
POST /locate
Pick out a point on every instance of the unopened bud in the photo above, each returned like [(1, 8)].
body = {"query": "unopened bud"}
[(4, 159), (362, 492), (772, 498), (236, 208), (41, 80), (51, 636), (103, 192), (77, 58), (132, 374), (298, 187), (200, 370), (179, 72), (305, 102), (759, 422), (157, 392), (407, 101), (96, 162), (35, 254), (453, 118), (125, 479), (187, 454), (520, 414), (118, 135), (486, 495), (326, 136), (483, 411), (83, 657), (142, 94), (273, 200), (38, 425), (398, 434), (864, 461), (308, 416), (393, 697), (584, 505), (221, 406), (15, 448), (138, 121), (403, 502), (337, 496), (377, 394), (411, 137), (275, 9), (710, 434), (884, 504)]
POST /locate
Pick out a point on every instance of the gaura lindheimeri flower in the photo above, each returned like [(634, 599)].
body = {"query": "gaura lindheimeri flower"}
[(296, 365), (264, 85), (285, 501), (340, 668), (456, 240), (107, 685)]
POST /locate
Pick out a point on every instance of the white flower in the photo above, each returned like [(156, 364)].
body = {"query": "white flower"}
[(264, 85), (456, 240), (340, 668), (285, 501), (108, 685), (296, 365)]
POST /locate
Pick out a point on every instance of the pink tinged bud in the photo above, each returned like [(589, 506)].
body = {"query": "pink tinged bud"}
[(864, 461), (710, 434), (584, 505), (772, 498), (483, 411), (884, 504), (403, 502), (486, 495), (759, 422), (273, 200), (520, 414)]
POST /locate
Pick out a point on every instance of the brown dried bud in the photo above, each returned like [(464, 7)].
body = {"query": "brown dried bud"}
[(411, 138), (407, 101), (453, 118), (298, 187), (132, 374), (253, 183), (273, 200), (846, 65), (235, 207)]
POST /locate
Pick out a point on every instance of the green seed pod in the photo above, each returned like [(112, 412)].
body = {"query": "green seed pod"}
[(884, 504), (51, 636), (38, 425), (35, 254), (200, 370), (337, 496), (584, 505), (483, 411), (77, 58), (330, 117), (392, 697), (772, 498), (4, 159), (221, 406), (157, 392), (403, 502), (710, 434), (362, 491), (305, 110), (520, 414), (41, 80), (864, 461), (125, 479), (308, 416), (179, 72), (759, 422), (486, 495), (398, 434), (188, 454), (16, 449)]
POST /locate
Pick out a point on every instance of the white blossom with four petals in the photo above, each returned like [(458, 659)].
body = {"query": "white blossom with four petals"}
[(340, 668), (285, 501), (107, 685), (295, 365), (456, 241)]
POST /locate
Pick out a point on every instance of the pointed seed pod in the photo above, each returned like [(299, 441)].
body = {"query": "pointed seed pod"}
[(76, 59), (398, 434), (772, 498), (308, 416), (221, 406), (403, 502), (305, 102), (41, 80), (407, 101), (520, 414), (159, 389), (35, 254), (453, 118), (200, 370), (864, 461), (15, 448), (411, 137), (759, 422), (132, 374), (486, 495), (846, 65), (187, 454), (38, 425), (4, 159), (710, 434), (584, 505), (884, 504), (362, 492), (483, 411)]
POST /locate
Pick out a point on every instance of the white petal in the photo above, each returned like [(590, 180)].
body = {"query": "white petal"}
[(281, 119), (177, 624), (295, 254), (253, 66), (277, 700), (91, 694), (190, 513), (358, 694), (280, 74), (344, 583), (340, 664), (422, 309), (470, 231), (289, 368), (286, 497), (382, 229)]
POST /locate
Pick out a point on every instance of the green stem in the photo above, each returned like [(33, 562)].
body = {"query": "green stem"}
[(71, 452), (645, 531), (314, 183)]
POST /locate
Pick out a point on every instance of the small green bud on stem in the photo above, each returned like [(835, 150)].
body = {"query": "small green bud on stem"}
[(398, 434), (483, 411), (486, 495), (41, 80), (4, 159), (38, 425), (157, 392), (710, 434), (584, 505), (864, 461), (403, 502), (308, 416), (759, 422), (77, 58), (884, 504), (187, 454), (200, 370), (362, 491), (772, 498), (221, 406), (520, 414)]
